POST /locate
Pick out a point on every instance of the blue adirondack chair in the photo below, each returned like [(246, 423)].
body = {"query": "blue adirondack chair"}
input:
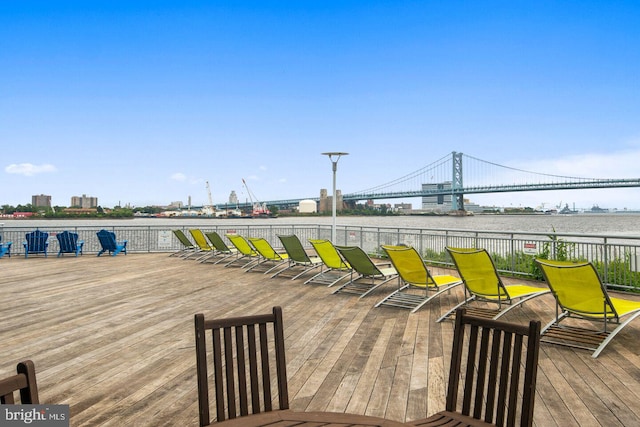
[(109, 243), (36, 242), (69, 243), (5, 248)]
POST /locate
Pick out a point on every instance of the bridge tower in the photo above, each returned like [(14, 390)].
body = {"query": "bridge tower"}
[(457, 198)]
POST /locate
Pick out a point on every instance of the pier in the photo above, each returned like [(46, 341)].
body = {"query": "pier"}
[(113, 337)]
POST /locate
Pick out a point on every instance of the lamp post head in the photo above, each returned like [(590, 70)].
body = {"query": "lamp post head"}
[(337, 154), (334, 153)]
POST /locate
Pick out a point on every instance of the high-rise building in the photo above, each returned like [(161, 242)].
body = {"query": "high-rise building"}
[(41, 201), (84, 202), (439, 203)]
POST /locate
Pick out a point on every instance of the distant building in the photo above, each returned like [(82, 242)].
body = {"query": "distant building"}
[(326, 201), (41, 201), (437, 203), (84, 202), (402, 207), (175, 205), (442, 203), (308, 206), (233, 198)]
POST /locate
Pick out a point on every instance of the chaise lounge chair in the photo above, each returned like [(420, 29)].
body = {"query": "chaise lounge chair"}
[(299, 259), (270, 259), (187, 247), (108, 242), (417, 281), (221, 250), (580, 293), (482, 283), (204, 249), (36, 242), (246, 255), (336, 268), (366, 276), (69, 244)]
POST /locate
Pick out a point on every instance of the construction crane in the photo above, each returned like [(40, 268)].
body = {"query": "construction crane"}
[(258, 209), (209, 209)]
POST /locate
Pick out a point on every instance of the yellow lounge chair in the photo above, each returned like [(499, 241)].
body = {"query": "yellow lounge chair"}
[(414, 275), (482, 283), (336, 268), (205, 250), (246, 254), (270, 259), (579, 292)]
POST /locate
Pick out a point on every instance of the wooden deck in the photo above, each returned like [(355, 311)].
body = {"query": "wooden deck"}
[(113, 337)]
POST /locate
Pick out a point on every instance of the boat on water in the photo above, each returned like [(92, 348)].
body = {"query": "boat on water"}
[(598, 209)]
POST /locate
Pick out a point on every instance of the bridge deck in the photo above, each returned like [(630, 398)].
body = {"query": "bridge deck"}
[(113, 338)]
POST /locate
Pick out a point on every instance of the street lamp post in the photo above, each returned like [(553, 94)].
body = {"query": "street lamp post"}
[(334, 163)]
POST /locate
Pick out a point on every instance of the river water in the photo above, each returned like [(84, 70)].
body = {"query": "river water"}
[(614, 224)]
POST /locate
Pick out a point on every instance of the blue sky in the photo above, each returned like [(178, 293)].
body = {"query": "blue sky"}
[(142, 102)]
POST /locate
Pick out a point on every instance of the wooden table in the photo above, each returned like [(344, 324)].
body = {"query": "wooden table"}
[(315, 419)]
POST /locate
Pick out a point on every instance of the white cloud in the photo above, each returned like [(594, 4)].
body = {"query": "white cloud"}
[(179, 177), (28, 169)]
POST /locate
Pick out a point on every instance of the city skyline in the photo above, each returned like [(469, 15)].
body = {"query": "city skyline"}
[(142, 103)]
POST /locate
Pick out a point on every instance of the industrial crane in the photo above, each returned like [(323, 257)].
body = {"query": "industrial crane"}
[(258, 209), (209, 209)]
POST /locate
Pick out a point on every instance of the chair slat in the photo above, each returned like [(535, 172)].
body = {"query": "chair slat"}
[(253, 368), (242, 374), (492, 389), (469, 376), (266, 377)]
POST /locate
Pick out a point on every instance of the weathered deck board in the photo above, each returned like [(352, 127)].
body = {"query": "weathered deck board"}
[(113, 338)]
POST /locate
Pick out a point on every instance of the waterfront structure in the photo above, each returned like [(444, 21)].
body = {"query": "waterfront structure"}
[(326, 201), (307, 206), (84, 202), (443, 203), (41, 201), (439, 202)]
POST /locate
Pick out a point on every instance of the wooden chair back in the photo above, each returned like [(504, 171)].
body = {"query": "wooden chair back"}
[(486, 381), (24, 382), (248, 356)]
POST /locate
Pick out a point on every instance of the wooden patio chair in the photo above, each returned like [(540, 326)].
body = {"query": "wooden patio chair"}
[(416, 280), (249, 365), (36, 242), (483, 283), (334, 268), (299, 260), (24, 382), (493, 372), (110, 244), (366, 276), (580, 293), (68, 243)]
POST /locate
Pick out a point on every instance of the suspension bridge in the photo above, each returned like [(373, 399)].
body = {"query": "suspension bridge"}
[(457, 175)]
